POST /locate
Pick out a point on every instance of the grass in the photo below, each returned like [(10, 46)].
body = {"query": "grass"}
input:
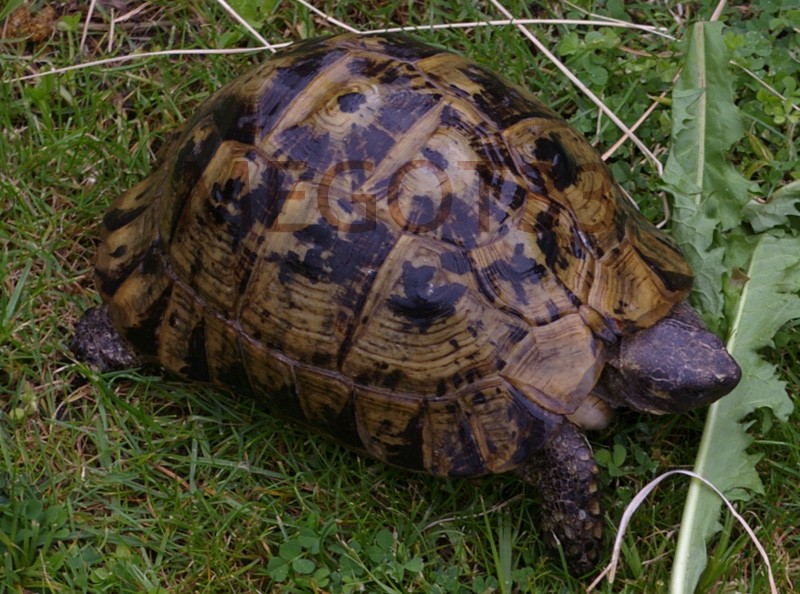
[(130, 482)]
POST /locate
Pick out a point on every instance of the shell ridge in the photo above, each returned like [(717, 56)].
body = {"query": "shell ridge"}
[(248, 261), (420, 132), (358, 312), (298, 107), (473, 431), (205, 306), (374, 297)]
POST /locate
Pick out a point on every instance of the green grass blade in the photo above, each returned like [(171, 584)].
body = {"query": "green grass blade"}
[(11, 306)]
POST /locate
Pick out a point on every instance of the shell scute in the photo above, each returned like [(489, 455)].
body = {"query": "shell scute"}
[(391, 428), (423, 301), (563, 166), (506, 426), (328, 403)]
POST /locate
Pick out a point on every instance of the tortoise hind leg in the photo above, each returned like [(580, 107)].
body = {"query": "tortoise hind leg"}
[(97, 343), (566, 474)]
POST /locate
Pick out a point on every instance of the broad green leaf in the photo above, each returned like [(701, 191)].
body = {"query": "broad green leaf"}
[(768, 301), (278, 569), (709, 193), (711, 199), (782, 208), (303, 566), (414, 565)]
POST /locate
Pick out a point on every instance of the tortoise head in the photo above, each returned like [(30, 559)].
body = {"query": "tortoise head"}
[(673, 366)]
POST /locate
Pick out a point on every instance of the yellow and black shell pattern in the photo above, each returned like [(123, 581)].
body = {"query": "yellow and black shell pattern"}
[(390, 244)]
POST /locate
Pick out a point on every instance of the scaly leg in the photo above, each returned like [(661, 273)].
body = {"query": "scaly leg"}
[(566, 474)]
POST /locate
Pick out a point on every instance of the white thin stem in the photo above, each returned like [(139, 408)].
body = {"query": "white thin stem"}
[(129, 57), (611, 568), (517, 22), (85, 32)]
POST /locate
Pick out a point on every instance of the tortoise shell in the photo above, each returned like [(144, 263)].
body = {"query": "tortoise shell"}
[(392, 245)]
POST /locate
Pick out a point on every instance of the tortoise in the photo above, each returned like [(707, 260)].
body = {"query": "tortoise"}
[(397, 248)]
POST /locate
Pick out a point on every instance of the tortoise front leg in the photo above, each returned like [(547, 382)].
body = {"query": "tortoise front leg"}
[(566, 474)]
